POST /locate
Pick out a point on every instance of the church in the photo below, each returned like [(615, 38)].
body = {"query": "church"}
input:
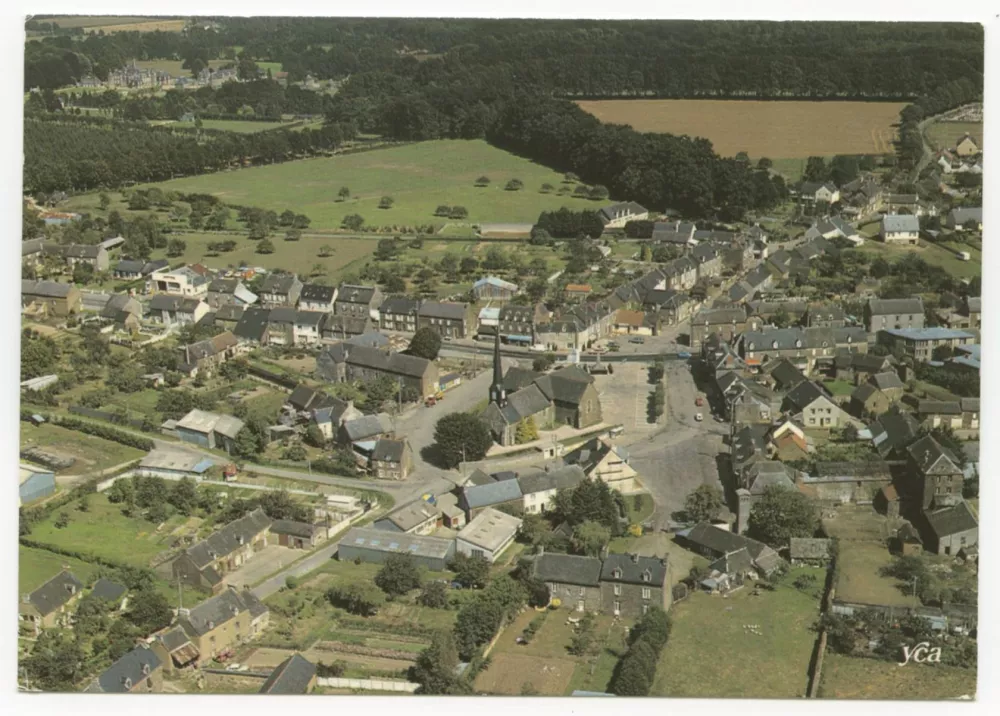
[(566, 396)]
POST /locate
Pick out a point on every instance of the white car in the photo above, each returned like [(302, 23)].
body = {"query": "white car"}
[(698, 417), (233, 667)]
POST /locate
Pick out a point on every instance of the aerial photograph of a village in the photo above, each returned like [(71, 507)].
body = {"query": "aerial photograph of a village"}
[(504, 357)]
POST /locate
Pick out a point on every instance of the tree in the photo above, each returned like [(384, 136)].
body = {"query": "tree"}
[(353, 222), (315, 436), (246, 68), (176, 247), (526, 431), (265, 247), (247, 443), (434, 595), (61, 521), (286, 218), (599, 192), (589, 538), (764, 163), (442, 210), (436, 666), (56, 662), (344, 194), (356, 598), (514, 185), (184, 495), (483, 181), (325, 251), (781, 514), (470, 572), (547, 188), (571, 178), (458, 212), (295, 453), (703, 503), (461, 437), (399, 575), (83, 273), (426, 343), (105, 201), (386, 202), (149, 611), (293, 235), (583, 638), (816, 170), (942, 352)]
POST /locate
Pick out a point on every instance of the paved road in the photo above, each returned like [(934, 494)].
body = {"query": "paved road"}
[(681, 456), (272, 585)]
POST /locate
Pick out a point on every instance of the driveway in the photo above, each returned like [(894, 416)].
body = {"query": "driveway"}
[(272, 585), (265, 562)]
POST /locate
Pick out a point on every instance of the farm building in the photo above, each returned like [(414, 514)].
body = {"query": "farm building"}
[(299, 535), (174, 463), (494, 289), (488, 535), (34, 483), (374, 546), (209, 429), (417, 518)]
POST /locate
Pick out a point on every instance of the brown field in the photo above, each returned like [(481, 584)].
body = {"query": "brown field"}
[(762, 129), (508, 673), (150, 26)]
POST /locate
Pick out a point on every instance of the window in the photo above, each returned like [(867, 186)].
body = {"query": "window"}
[(478, 553), (618, 590), (618, 607), (646, 592), (645, 608), (583, 591)]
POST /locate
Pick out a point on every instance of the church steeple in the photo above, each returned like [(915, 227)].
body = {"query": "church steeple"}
[(497, 393)]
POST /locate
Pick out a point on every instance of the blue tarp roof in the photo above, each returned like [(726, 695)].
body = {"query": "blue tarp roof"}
[(203, 466)]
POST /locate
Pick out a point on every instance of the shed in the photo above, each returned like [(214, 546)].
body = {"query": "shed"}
[(374, 546)]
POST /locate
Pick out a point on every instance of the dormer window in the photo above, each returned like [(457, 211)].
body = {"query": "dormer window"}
[(616, 573), (798, 344), (646, 576), (774, 344)]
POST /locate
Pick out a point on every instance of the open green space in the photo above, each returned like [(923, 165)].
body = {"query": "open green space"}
[(933, 254), (838, 387), (231, 125), (419, 177), (944, 135), (173, 67), (860, 580), (712, 653), (846, 677), (37, 566), (91, 453), (104, 532)]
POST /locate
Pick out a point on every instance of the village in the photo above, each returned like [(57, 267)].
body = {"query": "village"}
[(616, 467)]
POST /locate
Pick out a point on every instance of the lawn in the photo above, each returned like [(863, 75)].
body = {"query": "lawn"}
[(173, 67), (763, 129), (860, 580), (944, 135), (233, 125), (711, 653), (104, 532), (838, 387), (37, 566), (931, 253), (91, 453), (846, 677), (419, 177)]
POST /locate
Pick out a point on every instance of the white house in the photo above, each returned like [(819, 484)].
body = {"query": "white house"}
[(488, 535), (183, 281), (306, 330), (900, 229), (540, 488)]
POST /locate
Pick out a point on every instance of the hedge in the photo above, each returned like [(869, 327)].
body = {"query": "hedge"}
[(100, 431)]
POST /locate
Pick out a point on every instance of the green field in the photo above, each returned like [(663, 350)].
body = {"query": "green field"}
[(173, 67), (838, 387), (944, 135), (232, 125), (931, 253), (419, 177), (711, 654), (846, 677), (92, 453), (860, 580), (103, 531), (37, 566)]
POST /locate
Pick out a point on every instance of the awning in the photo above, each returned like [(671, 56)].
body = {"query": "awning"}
[(519, 339)]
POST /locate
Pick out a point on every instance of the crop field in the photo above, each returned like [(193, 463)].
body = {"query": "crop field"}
[(846, 677), (944, 135), (712, 653), (143, 26), (95, 21), (763, 129), (419, 178)]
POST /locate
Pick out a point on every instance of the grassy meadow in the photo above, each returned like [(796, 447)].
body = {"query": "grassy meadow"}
[(846, 677), (91, 453), (944, 135), (419, 177)]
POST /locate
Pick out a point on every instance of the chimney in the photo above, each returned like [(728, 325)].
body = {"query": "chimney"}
[(26, 598), (239, 539), (634, 558), (211, 624), (541, 549), (183, 612)]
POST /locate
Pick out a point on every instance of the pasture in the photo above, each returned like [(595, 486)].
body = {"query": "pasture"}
[(37, 566), (944, 135), (712, 653), (92, 454), (419, 177), (933, 254), (230, 125), (846, 677), (860, 580), (792, 129)]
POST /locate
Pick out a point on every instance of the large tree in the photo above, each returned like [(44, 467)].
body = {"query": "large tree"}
[(425, 343), (781, 514), (461, 437), (398, 575), (703, 503), (590, 537), (436, 666)]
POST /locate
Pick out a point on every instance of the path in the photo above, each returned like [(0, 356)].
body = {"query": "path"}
[(299, 569)]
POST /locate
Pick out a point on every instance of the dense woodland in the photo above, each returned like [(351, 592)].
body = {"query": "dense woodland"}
[(505, 81)]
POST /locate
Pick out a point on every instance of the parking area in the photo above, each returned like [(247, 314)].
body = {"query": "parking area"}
[(266, 562), (625, 396)]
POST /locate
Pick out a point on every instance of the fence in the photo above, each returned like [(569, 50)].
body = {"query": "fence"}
[(106, 416), (368, 684)]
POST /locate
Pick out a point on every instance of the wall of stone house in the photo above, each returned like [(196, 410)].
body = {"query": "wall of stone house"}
[(630, 598), (571, 594), (847, 491)]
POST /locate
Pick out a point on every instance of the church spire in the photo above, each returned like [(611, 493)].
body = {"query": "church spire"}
[(497, 393)]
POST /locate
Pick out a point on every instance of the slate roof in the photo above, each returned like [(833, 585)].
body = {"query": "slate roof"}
[(931, 333), (900, 222), (293, 528), (417, 545), (400, 306), (928, 454), (223, 285), (523, 403), (964, 213), (719, 316), (733, 562), (951, 520), (309, 318), (55, 592), (864, 392), (893, 431), (722, 541), (558, 479), (517, 378), (48, 289), (633, 569), (442, 309), (351, 293), (316, 293), (252, 324), (107, 590), (769, 473), (387, 450), (375, 359), (568, 569), (367, 426), (283, 314), (127, 672), (494, 493), (895, 306), (292, 676), (278, 283), (566, 385), (886, 381), (228, 539), (130, 266), (219, 610), (230, 312), (805, 393), (787, 375), (626, 208), (345, 325)]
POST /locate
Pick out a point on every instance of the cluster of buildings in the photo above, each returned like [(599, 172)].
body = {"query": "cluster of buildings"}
[(134, 77)]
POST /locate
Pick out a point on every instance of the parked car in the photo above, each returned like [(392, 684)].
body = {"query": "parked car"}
[(637, 339), (684, 355), (613, 347)]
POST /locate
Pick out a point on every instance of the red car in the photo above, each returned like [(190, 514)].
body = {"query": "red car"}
[(699, 402)]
